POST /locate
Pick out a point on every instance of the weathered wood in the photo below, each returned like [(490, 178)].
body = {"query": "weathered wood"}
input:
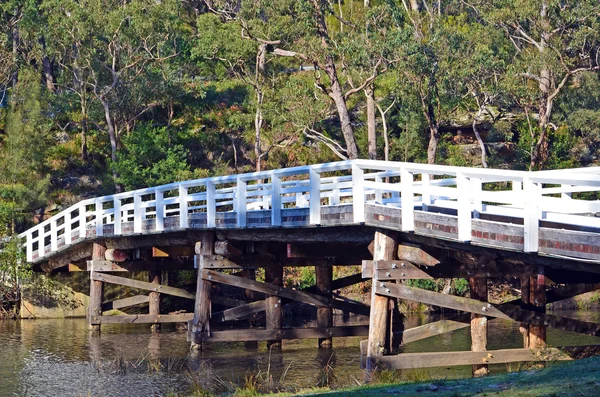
[(385, 249), (395, 270), (255, 261), (569, 291), (154, 299), (432, 329), (128, 282), (255, 334), (116, 255), (125, 302), (446, 359), (478, 291), (144, 319), (271, 289), (96, 290), (74, 254), (416, 255), (274, 309), (525, 290), (202, 307), (239, 313), (173, 251), (324, 276), (344, 234), (140, 265), (537, 296), (227, 249), (346, 281)]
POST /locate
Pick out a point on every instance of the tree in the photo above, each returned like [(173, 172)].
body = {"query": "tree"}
[(554, 41)]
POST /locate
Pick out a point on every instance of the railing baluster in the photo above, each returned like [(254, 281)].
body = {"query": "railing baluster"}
[(211, 205), (82, 221), (276, 200), (464, 207), (137, 213), (183, 207), (29, 245), (567, 195), (476, 187), (67, 229), (160, 210), (378, 191), (531, 215), (240, 202), (426, 195), (98, 216), (407, 199), (358, 194), (118, 217), (315, 197)]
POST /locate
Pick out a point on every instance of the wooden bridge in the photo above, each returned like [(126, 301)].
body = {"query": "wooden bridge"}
[(400, 221)]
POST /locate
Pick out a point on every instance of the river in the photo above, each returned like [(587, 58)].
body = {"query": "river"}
[(59, 357)]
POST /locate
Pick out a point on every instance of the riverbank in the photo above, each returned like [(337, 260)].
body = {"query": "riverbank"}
[(576, 378)]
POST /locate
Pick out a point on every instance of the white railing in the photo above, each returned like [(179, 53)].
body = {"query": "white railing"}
[(531, 196)]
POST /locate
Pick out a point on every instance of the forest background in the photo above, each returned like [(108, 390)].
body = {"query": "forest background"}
[(102, 96)]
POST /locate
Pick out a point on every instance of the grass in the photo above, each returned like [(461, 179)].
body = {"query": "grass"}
[(577, 378)]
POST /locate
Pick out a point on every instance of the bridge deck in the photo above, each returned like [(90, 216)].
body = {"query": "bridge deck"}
[(552, 213)]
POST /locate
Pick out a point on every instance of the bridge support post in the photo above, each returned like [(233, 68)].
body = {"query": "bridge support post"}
[(324, 278), (202, 307), (478, 290), (154, 300), (385, 249), (533, 296), (273, 309), (96, 289)]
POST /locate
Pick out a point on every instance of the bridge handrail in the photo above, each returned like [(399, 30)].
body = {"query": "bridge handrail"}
[(528, 195)]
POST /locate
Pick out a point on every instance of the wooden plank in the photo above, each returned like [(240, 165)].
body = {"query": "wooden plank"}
[(273, 306), (226, 249), (438, 299), (255, 334), (127, 282), (139, 265), (479, 324), (143, 319), (77, 253), (125, 302), (431, 329), (202, 304), (446, 359), (96, 290), (346, 281), (569, 291), (324, 279), (398, 270), (270, 289), (238, 313), (416, 255), (254, 261)]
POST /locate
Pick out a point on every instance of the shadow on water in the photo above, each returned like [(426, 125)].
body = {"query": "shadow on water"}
[(60, 357)]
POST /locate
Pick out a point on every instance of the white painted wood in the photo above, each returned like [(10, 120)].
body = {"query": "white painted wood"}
[(464, 207), (98, 215), (315, 197), (211, 208), (358, 193), (525, 198), (159, 196), (67, 227), (276, 204), (240, 203), (408, 201), (137, 213), (531, 215), (183, 207)]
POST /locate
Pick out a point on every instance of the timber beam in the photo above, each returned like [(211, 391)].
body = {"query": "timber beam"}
[(140, 265), (275, 290), (254, 261), (128, 282), (251, 335)]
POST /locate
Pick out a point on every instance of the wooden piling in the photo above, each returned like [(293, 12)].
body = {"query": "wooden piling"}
[(537, 296), (96, 289), (478, 290), (324, 279), (385, 249), (154, 300), (202, 307), (273, 309)]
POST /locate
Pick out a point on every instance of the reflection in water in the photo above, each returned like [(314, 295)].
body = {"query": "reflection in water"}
[(60, 357)]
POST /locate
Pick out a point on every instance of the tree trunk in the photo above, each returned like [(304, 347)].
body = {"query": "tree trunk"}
[(540, 153), (371, 125), (340, 103), (258, 117), (434, 138), (110, 128), (479, 140), (48, 74)]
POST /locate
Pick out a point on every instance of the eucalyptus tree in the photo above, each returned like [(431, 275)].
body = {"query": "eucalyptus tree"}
[(554, 41), (111, 54)]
